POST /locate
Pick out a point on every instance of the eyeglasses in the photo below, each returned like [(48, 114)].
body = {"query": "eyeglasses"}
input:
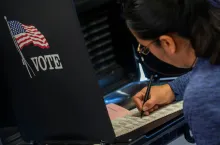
[(144, 49)]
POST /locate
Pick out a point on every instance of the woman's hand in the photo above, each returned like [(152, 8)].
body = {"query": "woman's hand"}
[(159, 96)]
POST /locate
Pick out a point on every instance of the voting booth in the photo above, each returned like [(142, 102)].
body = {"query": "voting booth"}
[(64, 61)]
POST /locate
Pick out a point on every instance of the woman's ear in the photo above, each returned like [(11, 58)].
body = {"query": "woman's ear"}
[(168, 44)]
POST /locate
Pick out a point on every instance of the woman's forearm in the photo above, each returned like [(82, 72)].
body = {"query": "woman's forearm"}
[(179, 85)]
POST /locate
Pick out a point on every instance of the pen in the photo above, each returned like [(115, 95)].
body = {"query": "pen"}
[(147, 94)]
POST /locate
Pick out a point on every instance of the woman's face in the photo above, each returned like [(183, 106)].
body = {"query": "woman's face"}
[(173, 50)]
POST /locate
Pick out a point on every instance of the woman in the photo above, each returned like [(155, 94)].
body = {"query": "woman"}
[(183, 33)]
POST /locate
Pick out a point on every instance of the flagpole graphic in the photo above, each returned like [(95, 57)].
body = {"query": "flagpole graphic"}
[(28, 67), (24, 35)]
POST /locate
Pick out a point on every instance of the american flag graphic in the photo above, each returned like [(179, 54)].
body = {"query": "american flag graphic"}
[(26, 35)]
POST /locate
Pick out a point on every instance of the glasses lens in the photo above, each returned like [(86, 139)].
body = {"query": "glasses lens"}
[(144, 50)]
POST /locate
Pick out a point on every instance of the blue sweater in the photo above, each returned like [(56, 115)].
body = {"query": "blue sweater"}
[(200, 89)]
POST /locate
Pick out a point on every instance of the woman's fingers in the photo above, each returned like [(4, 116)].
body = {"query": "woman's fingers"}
[(156, 107), (138, 99), (151, 110), (149, 104), (147, 113)]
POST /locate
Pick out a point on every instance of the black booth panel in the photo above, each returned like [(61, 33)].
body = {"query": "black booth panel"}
[(7, 118), (85, 5), (49, 102), (108, 42)]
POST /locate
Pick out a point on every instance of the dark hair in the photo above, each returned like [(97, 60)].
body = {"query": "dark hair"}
[(197, 20)]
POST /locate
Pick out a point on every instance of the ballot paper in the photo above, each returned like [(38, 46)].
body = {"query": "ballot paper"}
[(116, 111), (132, 121)]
